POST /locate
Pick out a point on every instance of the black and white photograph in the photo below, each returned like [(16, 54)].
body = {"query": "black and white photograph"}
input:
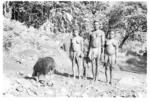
[(84, 49)]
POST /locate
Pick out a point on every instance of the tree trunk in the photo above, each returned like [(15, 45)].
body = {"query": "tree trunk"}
[(123, 41)]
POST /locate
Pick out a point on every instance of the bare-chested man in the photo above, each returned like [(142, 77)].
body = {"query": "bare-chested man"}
[(77, 53), (111, 51), (97, 38)]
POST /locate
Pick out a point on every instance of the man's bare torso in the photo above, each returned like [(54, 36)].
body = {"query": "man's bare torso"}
[(110, 47), (95, 39)]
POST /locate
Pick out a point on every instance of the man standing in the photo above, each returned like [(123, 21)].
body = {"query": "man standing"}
[(97, 38), (111, 52), (77, 53)]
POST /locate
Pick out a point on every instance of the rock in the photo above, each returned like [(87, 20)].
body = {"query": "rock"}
[(20, 89), (20, 73), (50, 84), (32, 91)]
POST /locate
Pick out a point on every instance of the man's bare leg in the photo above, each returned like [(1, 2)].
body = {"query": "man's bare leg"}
[(73, 67), (106, 75), (110, 72), (78, 66), (84, 69), (92, 63), (96, 70)]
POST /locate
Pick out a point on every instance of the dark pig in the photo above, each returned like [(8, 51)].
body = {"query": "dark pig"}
[(43, 66)]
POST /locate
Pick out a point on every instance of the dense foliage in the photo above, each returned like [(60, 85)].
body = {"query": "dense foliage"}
[(128, 18)]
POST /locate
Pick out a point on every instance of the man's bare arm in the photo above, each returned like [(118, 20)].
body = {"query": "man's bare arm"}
[(116, 52), (89, 44), (70, 48), (102, 44), (82, 46)]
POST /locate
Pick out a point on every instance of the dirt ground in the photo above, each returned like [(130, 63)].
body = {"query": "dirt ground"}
[(129, 80)]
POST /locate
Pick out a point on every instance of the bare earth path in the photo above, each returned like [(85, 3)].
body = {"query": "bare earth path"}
[(128, 81)]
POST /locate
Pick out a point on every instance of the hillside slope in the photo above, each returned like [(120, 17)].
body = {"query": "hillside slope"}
[(23, 46)]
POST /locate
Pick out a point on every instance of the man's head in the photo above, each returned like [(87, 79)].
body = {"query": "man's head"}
[(112, 34), (96, 25), (100, 25), (75, 32)]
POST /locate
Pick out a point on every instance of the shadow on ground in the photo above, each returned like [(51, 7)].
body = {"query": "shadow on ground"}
[(135, 65), (69, 75)]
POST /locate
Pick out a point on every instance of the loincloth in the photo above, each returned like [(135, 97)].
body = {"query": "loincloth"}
[(94, 53), (77, 54), (109, 59)]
